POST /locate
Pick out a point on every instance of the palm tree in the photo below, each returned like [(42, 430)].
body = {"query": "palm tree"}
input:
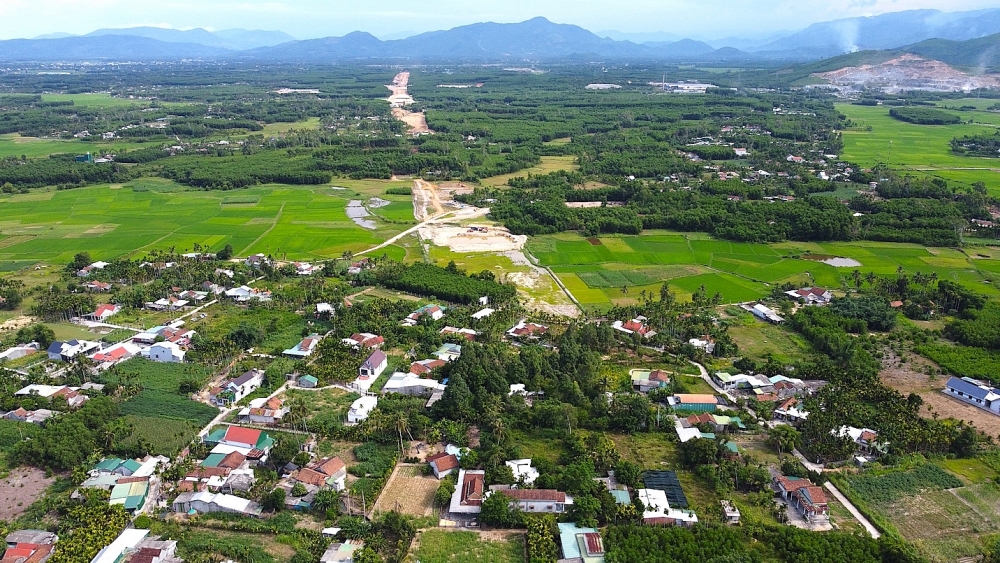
[(870, 277), (402, 425), (856, 275)]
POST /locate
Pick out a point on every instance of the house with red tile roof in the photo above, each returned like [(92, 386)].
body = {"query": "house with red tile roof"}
[(327, 472), (536, 500), (469, 492), (443, 464), (103, 312), (305, 348), (811, 295), (524, 329), (634, 326), (363, 340)]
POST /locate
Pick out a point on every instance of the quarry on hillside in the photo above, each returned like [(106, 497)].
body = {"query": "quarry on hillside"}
[(907, 72)]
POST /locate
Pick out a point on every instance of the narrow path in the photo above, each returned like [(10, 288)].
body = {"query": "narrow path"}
[(409, 231), (853, 510), (265, 233)]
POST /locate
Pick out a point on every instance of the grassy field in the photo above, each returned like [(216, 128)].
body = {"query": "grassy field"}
[(549, 164), (12, 144), (921, 149), (442, 546), (759, 339), (290, 222), (596, 273)]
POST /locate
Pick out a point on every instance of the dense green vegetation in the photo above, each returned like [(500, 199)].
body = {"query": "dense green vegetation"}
[(924, 116)]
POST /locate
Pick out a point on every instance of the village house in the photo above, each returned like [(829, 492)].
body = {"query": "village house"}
[(373, 367), (328, 472), (435, 312), (306, 269), (645, 381), (448, 352), (466, 333), (169, 303), (103, 312), (535, 500), (764, 313), (580, 545), (233, 390), (423, 367), (115, 354), (803, 495), (66, 351), (341, 552), (263, 411), (74, 399), (483, 313), (27, 553), (153, 550), (20, 351), (523, 471), (865, 439), (524, 329), (252, 443), (363, 340), (256, 261), (974, 392), (634, 326), (469, 492), (361, 408), (719, 423), (166, 352), (86, 271), (730, 514), (443, 464), (116, 550), (307, 382), (38, 416), (357, 267), (790, 411), (191, 295), (212, 288), (411, 385), (811, 295), (693, 402), (705, 344), (659, 513), (305, 348), (245, 294), (324, 309), (204, 502)]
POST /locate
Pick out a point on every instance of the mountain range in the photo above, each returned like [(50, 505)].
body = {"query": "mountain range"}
[(962, 36)]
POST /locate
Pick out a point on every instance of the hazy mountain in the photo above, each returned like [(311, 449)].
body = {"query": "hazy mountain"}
[(887, 31), (650, 37), (54, 36), (978, 54), (106, 47), (253, 38), (681, 49), (233, 39)]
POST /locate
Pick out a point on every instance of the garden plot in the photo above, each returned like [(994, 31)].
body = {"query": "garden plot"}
[(408, 492)]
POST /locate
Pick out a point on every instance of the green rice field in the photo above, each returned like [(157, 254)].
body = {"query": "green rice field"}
[(111, 221), (921, 149), (596, 273)]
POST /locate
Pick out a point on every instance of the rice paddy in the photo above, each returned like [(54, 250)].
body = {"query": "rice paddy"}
[(615, 270), (921, 149), (112, 221)]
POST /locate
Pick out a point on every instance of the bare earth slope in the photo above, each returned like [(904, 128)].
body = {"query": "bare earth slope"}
[(908, 72)]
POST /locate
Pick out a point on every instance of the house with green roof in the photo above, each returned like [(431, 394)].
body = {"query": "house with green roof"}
[(581, 544), (116, 466)]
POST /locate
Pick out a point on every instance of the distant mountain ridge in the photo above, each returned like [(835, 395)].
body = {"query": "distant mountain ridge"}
[(537, 39)]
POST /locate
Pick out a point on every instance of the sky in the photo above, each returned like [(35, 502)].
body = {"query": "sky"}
[(304, 19)]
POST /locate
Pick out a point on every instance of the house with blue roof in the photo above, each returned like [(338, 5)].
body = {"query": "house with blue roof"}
[(974, 392)]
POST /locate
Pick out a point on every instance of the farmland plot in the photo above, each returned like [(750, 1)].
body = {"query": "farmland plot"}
[(408, 492)]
